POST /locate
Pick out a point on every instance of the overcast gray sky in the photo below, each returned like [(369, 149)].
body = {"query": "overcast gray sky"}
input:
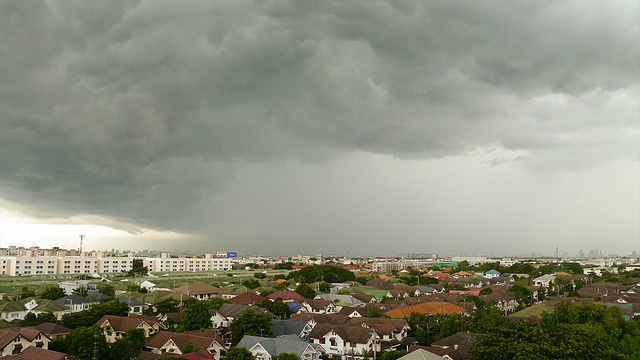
[(368, 127)]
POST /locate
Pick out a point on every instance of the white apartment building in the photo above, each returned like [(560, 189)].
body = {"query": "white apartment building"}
[(98, 263), (59, 265), (169, 264)]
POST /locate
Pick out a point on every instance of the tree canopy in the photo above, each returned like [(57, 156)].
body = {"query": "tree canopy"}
[(52, 293), (326, 273), (251, 322)]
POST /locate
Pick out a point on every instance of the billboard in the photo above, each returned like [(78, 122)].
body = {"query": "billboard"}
[(232, 254)]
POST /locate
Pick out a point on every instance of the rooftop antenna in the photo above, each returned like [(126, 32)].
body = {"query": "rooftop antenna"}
[(81, 238)]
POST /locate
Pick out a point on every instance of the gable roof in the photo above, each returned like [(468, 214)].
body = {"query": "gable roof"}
[(351, 333), (197, 288), (36, 353), (421, 354), (235, 310), (9, 334), (287, 327), (249, 298), (119, 323), (336, 319), (275, 346), (286, 295), (463, 339), (52, 329), (200, 340)]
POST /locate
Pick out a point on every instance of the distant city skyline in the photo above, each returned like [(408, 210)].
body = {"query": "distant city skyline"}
[(334, 127)]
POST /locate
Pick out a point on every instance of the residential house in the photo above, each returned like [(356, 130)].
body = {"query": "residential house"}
[(113, 327), (53, 331), (266, 348), (351, 311), (164, 342), (393, 332), (491, 274), (297, 327), (75, 303), (15, 340), (345, 300), (318, 306), (198, 290), (544, 280), (286, 296), (422, 354), (221, 318), (248, 298), (346, 341)]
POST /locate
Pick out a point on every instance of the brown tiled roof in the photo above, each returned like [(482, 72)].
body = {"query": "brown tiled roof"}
[(383, 326), (175, 317), (119, 323), (335, 319), (36, 353), (9, 334), (430, 308), (318, 304), (52, 329), (363, 297), (248, 298), (200, 340), (348, 310), (197, 288)]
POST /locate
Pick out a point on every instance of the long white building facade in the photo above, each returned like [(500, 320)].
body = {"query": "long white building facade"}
[(99, 263)]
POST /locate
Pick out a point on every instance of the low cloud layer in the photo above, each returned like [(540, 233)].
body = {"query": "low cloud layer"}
[(145, 111)]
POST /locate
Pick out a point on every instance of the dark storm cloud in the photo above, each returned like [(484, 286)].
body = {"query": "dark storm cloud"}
[(140, 110)]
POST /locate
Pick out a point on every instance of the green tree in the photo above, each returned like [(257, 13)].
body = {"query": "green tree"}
[(196, 317), (216, 302), (108, 290), (25, 292), (90, 316), (523, 295), (251, 322), (486, 291), (373, 313), (30, 319), (138, 268), (82, 342), (251, 283), (260, 275), (306, 291), (81, 291), (129, 346), (325, 287), (392, 355), (52, 293), (286, 356), (239, 353), (326, 273), (277, 308), (283, 266), (137, 288)]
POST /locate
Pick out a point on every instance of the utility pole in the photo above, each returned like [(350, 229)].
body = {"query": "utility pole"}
[(95, 346)]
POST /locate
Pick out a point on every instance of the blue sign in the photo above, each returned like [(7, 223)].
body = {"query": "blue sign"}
[(232, 254)]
